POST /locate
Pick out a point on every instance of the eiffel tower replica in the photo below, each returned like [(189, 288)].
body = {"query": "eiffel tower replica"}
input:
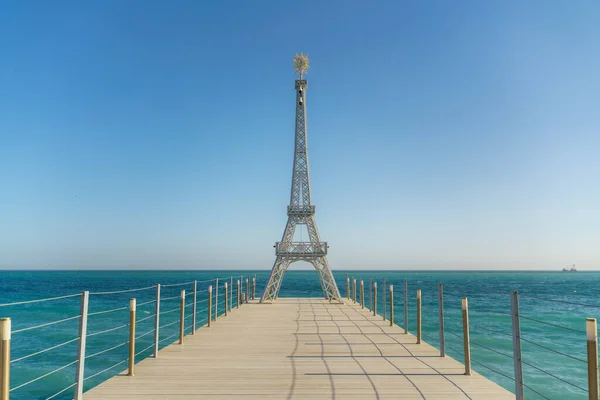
[(301, 212)]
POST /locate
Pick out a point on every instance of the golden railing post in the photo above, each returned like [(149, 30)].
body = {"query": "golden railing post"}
[(466, 340), (347, 287), (181, 316), (362, 294), (226, 299), (419, 333), (375, 298), (254, 287), (194, 309), (239, 294), (5, 331), (391, 305), (209, 310), (131, 337), (592, 357), (354, 289), (383, 299), (247, 291)]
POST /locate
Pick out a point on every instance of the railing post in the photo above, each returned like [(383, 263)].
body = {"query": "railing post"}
[(371, 294), (230, 293), (441, 317), (466, 340), (194, 309), (419, 333), (226, 302), (254, 287), (247, 290), (209, 308), (347, 287), (5, 332), (516, 336), (362, 294), (216, 299), (354, 289), (83, 319), (375, 297), (405, 306), (157, 320), (131, 337), (391, 305), (242, 289), (592, 357), (383, 298), (181, 317), (239, 294)]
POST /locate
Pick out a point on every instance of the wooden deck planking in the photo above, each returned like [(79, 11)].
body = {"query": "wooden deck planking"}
[(299, 348)]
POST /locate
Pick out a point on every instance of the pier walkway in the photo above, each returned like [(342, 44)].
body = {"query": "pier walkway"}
[(299, 348)]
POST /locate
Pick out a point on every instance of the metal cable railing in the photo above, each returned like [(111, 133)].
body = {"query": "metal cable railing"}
[(46, 324), (85, 315)]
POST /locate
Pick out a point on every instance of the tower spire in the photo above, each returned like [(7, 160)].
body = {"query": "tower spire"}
[(301, 211)]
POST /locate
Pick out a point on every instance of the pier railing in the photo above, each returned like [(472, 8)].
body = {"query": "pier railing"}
[(509, 341), (105, 332)]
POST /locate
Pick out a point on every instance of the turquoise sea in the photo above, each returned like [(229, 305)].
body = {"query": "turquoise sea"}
[(553, 306)]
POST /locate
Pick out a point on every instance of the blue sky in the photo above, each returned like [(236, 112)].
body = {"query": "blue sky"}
[(442, 135)]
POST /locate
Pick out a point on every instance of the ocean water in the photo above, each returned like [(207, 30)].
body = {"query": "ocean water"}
[(552, 325)]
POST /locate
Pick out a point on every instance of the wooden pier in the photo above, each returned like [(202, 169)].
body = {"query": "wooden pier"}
[(299, 348)]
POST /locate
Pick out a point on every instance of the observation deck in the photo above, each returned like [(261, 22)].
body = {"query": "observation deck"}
[(301, 210), (301, 249)]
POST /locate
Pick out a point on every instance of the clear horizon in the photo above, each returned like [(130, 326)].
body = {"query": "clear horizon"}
[(442, 136)]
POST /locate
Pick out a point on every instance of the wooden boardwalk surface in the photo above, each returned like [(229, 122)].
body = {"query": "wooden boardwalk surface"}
[(299, 348)]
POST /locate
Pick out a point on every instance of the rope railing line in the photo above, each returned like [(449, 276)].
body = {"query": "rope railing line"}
[(177, 284), (188, 316), (170, 298), (493, 370), (61, 391), (489, 311), (104, 370), (535, 391), (169, 324), (554, 325), (46, 324), (106, 350), (16, 303), (144, 349), (559, 301), (168, 337), (144, 334), (203, 310), (43, 376), (169, 311), (210, 280), (467, 294), (554, 376), (44, 351), (454, 334), (124, 291), (490, 349), (552, 350), (190, 293), (490, 330), (108, 311), (146, 318), (456, 350), (106, 330), (189, 304), (146, 302), (201, 301)]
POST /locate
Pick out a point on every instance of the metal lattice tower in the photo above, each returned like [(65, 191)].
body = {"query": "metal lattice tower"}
[(301, 211)]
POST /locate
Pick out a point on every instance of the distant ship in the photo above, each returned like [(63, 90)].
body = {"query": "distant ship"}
[(572, 269)]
